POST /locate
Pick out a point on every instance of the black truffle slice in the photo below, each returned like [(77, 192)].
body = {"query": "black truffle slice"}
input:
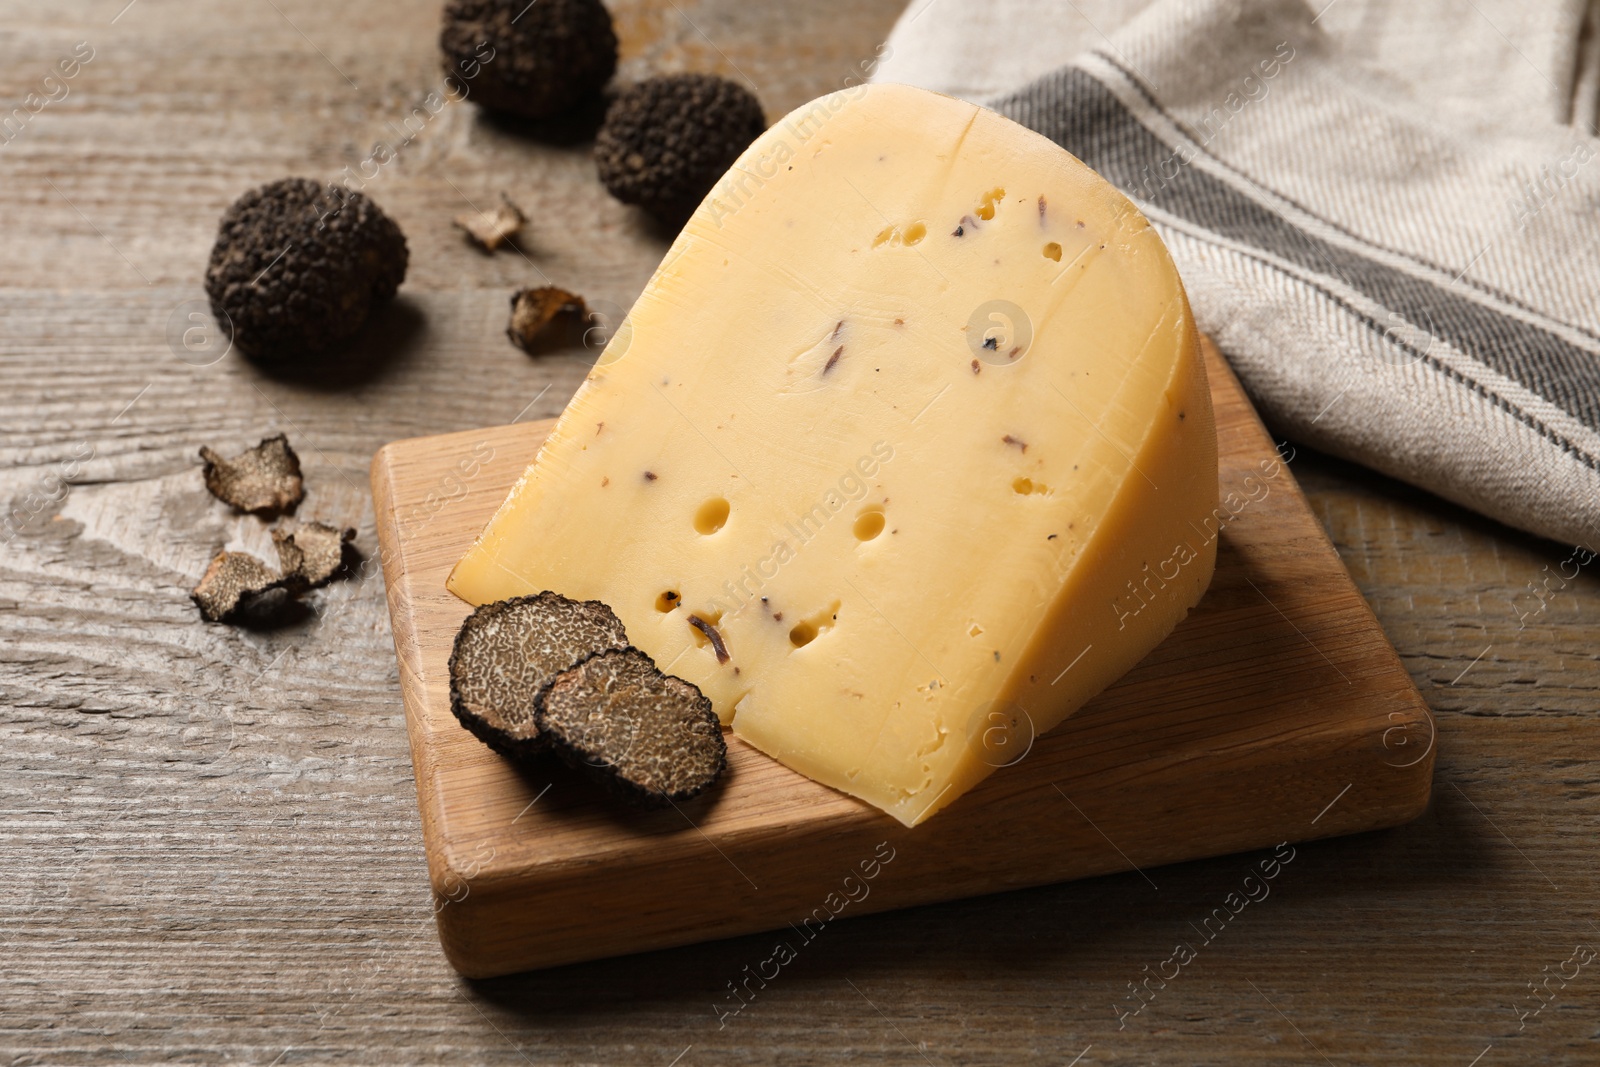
[(237, 587), (545, 316), (667, 140), (531, 59), (491, 229), (506, 652), (313, 554), (649, 737), (264, 479), (299, 266)]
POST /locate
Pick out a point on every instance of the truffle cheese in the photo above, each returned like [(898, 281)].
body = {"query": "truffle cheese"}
[(905, 452)]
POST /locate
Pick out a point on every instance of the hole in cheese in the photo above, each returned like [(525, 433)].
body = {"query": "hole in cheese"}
[(894, 235), (1052, 251), (869, 524), (712, 516), (812, 627), (668, 601)]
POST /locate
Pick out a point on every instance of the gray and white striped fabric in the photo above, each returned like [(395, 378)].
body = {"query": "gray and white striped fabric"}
[(1385, 217)]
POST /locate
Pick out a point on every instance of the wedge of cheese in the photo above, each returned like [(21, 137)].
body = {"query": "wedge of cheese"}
[(905, 452)]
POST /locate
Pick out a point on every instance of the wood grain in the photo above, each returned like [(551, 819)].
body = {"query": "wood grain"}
[(1276, 712), (209, 836)]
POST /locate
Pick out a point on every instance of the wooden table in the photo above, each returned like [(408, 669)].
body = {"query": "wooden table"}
[(211, 846)]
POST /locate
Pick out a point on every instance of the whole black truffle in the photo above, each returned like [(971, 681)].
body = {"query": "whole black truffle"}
[(533, 59), (667, 140), (299, 266)]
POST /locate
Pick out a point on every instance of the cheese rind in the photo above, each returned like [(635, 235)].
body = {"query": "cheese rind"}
[(905, 452)]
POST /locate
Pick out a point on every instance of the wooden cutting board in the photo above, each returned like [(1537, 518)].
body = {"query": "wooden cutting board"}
[(1276, 712)]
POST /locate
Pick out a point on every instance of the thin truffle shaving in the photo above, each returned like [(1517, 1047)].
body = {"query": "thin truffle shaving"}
[(313, 554), (546, 316), (238, 586), (491, 229), (264, 480)]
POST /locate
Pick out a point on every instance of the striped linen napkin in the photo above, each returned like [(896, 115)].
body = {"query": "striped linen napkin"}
[(1385, 214)]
